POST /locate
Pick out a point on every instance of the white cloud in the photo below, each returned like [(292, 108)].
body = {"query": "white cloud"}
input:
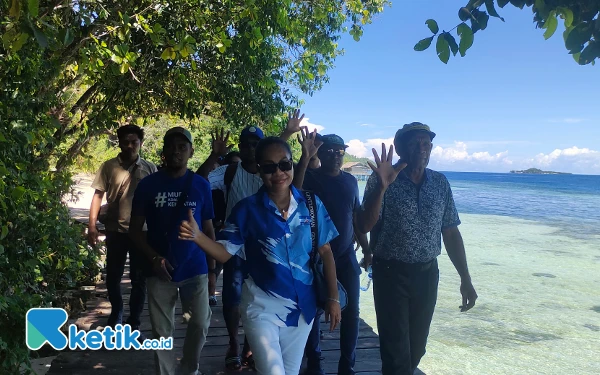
[(569, 120), (311, 126), (573, 159), (460, 157), (368, 125), (457, 157)]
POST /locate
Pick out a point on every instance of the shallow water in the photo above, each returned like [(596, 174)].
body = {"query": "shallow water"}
[(538, 282)]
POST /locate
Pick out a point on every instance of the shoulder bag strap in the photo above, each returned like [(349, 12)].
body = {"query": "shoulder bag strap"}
[(310, 203), (125, 183), (228, 180)]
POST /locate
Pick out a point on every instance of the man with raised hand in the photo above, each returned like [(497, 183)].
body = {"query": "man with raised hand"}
[(338, 191), (408, 208)]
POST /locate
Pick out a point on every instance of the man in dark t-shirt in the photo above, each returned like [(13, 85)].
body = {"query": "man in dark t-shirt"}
[(338, 191), (163, 200)]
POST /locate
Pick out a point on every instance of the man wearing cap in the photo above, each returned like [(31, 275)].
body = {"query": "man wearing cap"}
[(118, 179), (408, 209), (338, 191), (163, 200), (238, 181)]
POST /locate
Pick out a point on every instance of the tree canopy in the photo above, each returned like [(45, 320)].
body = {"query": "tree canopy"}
[(581, 20), (72, 70)]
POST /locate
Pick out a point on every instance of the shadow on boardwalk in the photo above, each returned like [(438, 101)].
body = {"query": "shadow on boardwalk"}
[(212, 361)]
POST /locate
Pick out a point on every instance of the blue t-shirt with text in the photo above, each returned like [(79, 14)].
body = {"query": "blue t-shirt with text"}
[(156, 199)]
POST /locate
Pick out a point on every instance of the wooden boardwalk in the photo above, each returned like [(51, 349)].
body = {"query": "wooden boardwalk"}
[(212, 361)]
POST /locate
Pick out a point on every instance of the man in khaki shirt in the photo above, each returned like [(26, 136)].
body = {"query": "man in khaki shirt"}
[(111, 177)]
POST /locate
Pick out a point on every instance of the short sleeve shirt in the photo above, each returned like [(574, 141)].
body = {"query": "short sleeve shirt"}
[(244, 184), (108, 180), (340, 197), (277, 255), (412, 218), (156, 199)]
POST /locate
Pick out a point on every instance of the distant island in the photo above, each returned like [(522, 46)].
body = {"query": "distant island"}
[(536, 171)]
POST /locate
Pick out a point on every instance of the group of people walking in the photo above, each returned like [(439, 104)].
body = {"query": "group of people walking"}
[(252, 219)]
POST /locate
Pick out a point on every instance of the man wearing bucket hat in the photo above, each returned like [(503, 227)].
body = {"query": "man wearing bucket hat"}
[(408, 208)]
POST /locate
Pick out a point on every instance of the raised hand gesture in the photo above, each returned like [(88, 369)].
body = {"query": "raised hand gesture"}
[(220, 142), (385, 170), (308, 141), (294, 120)]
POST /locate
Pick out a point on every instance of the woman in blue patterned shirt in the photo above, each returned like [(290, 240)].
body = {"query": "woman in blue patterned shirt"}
[(271, 231)]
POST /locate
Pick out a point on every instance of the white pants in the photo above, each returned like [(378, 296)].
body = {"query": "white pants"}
[(276, 350)]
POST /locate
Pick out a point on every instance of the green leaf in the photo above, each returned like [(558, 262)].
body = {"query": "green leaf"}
[(4, 232), (576, 56), (433, 26), (580, 35), (423, 44), (590, 53), (489, 5), (452, 43), (1, 249), (502, 3), (15, 9), (567, 14), (194, 65), (466, 38), (18, 192), (443, 49), (482, 20), (34, 7), (124, 68), (117, 59), (550, 25), (40, 37), (168, 54)]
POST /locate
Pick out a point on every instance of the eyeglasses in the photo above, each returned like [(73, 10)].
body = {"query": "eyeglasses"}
[(283, 166), (332, 152)]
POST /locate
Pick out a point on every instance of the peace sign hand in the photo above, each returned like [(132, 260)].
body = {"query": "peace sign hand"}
[(310, 143), (219, 143), (385, 170)]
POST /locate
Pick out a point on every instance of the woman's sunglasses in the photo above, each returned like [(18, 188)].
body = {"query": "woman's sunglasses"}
[(283, 166)]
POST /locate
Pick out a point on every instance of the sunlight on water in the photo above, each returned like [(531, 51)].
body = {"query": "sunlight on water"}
[(538, 310)]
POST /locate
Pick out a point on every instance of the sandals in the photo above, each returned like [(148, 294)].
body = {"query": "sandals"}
[(212, 301), (249, 362), (233, 363)]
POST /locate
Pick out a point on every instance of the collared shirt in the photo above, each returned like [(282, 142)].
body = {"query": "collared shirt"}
[(412, 218), (156, 199), (109, 178), (244, 184), (277, 255), (340, 196)]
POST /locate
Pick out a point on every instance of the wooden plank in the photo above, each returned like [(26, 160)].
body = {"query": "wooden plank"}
[(212, 358)]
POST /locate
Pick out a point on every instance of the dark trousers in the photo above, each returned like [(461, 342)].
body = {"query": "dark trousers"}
[(349, 277), (117, 247), (405, 296)]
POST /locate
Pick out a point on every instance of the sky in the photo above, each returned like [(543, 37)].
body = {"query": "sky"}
[(514, 101)]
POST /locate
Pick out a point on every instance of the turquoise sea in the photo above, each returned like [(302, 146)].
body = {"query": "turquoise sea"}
[(533, 246)]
